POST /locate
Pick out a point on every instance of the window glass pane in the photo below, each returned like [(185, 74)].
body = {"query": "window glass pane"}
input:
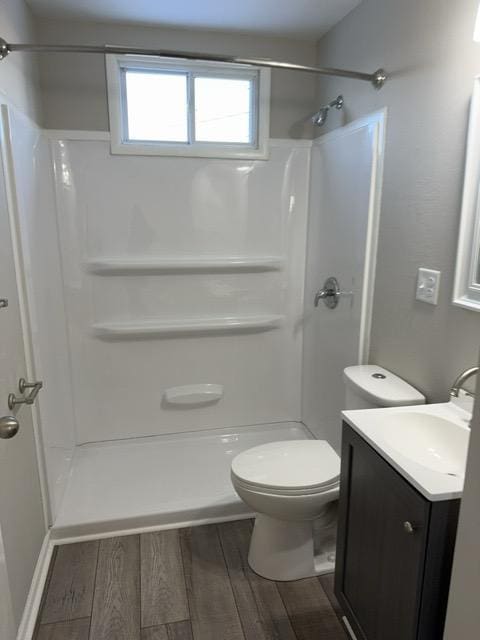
[(222, 110), (157, 106)]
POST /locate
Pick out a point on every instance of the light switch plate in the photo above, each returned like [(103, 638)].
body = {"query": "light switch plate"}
[(428, 285)]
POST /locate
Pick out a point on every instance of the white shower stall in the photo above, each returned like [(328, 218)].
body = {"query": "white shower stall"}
[(170, 308)]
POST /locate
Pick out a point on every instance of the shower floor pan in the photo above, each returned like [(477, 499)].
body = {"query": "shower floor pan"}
[(170, 480)]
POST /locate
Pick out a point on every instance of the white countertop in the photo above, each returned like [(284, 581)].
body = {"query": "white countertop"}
[(373, 425)]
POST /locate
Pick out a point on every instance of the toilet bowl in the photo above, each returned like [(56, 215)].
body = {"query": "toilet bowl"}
[(293, 486), (290, 485)]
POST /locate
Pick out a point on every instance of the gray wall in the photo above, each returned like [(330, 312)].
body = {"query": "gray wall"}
[(73, 86), (19, 72), (463, 617), (427, 47)]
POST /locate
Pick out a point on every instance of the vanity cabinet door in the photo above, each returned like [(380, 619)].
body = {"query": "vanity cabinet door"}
[(381, 547)]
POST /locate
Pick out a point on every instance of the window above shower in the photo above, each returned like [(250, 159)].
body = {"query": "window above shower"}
[(185, 108)]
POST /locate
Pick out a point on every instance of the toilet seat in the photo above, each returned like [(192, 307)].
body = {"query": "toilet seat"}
[(295, 467), (269, 491)]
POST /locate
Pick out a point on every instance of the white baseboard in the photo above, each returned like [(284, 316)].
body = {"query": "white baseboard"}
[(129, 531), (30, 613)]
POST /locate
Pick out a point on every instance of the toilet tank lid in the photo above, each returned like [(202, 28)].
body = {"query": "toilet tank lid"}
[(381, 387)]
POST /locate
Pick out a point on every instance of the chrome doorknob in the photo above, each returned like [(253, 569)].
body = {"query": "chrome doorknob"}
[(8, 427), (408, 527)]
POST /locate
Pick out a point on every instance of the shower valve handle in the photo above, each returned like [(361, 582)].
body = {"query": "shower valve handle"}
[(330, 293)]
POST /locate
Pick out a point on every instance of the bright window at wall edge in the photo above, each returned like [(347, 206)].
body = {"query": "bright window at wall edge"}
[(183, 108)]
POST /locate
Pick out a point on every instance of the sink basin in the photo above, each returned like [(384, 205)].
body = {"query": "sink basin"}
[(429, 440), (427, 444)]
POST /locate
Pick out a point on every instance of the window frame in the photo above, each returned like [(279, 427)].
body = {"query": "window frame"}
[(466, 290), (117, 106)]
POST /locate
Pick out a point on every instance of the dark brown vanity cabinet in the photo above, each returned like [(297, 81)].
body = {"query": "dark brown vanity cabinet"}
[(394, 549)]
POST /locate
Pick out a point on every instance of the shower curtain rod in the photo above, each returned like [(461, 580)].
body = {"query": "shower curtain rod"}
[(377, 78)]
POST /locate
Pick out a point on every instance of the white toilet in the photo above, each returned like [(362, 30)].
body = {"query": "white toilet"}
[(292, 484)]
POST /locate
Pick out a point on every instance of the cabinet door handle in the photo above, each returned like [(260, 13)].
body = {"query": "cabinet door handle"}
[(408, 527)]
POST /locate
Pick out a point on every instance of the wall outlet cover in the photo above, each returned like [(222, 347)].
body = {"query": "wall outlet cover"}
[(428, 285)]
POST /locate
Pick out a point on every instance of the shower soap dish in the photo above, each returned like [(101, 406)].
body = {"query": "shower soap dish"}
[(194, 394)]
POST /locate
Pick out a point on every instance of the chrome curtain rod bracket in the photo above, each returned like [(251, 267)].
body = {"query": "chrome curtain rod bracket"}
[(3, 49), (377, 78)]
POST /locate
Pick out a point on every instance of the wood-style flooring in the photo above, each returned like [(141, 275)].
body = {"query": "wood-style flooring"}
[(182, 584)]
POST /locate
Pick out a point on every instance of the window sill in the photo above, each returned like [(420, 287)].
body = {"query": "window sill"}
[(190, 151)]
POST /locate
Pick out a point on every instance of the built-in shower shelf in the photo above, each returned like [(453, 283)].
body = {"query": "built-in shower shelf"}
[(193, 326), (148, 265)]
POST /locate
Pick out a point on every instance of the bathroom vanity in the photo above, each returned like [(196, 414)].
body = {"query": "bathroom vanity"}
[(398, 519)]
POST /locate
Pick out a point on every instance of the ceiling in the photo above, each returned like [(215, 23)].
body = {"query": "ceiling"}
[(292, 18)]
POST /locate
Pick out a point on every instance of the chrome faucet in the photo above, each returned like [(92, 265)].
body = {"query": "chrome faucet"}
[(460, 381)]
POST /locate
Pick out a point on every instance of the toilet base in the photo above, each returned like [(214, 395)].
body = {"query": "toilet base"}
[(324, 562), (284, 550)]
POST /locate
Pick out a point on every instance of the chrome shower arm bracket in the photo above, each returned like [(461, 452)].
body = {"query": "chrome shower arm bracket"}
[(320, 117)]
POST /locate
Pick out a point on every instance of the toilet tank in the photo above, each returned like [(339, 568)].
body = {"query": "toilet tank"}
[(368, 387)]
